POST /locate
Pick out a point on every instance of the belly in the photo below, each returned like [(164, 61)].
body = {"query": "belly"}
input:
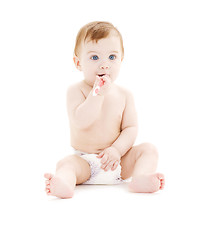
[(96, 138), (106, 128)]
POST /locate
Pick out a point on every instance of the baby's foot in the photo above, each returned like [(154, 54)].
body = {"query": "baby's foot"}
[(56, 186), (147, 183)]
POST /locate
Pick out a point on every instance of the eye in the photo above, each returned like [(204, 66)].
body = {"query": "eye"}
[(95, 57), (112, 57)]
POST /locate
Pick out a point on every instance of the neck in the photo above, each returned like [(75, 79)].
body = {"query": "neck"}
[(87, 84)]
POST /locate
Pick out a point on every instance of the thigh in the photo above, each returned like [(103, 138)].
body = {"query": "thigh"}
[(79, 165), (129, 159)]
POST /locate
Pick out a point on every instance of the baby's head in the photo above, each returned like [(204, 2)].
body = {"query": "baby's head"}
[(95, 31), (98, 50)]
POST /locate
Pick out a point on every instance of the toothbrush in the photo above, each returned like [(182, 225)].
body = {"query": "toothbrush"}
[(96, 89)]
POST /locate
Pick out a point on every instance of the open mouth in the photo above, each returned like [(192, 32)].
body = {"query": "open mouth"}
[(101, 75)]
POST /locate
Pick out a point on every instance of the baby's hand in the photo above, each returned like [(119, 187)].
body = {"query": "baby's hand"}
[(104, 83), (110, 158)]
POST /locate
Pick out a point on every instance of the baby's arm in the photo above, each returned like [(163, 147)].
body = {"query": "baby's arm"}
[(83, 111), (129, 127), (111, 156)]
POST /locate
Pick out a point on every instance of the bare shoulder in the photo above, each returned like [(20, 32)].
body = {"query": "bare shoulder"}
[(125, 92), (129, 115), (74, 89), (75, 95), (129, 100)]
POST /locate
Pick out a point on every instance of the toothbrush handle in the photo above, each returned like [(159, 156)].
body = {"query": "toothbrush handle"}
[(97, 88)]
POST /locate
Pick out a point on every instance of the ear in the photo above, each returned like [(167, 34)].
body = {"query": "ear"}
[(77, 62)]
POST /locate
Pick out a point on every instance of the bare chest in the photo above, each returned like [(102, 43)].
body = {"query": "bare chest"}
[(113, 106), (106, 128), (112, 109)]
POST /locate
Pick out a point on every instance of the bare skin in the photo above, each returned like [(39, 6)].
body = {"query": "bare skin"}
[(108, 122)]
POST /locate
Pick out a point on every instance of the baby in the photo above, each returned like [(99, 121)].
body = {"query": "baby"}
[(103, 122)]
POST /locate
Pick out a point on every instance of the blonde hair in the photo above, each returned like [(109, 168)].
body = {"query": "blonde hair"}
[(95, 31)]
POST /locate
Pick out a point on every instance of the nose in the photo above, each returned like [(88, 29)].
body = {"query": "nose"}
[(104, 66)]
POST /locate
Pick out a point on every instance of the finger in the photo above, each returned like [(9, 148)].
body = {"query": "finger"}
[(105, 87), (97, 78), (101, 154), (100, 81), (104, 164), (109, 165), (106, 78), (115, 165), (97, 81), (104, 159)]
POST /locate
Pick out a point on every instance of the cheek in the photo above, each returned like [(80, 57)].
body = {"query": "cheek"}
[(89, 71), (88, 68), (90, 65), (116, 68)]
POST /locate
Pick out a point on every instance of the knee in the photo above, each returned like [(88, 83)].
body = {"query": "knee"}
[(67, 161), (147, 148)]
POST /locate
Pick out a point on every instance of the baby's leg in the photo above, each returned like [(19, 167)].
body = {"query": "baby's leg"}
[(70, 171), (140, 162)]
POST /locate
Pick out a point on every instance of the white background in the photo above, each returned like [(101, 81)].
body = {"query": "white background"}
[(167, 65)]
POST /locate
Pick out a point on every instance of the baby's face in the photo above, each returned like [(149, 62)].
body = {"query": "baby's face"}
[(103, 57)]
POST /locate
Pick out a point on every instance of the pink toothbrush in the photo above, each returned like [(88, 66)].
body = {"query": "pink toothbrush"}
[(96, 89)]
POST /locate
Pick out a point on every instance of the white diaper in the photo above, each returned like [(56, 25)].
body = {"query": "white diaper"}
[(98, 175)]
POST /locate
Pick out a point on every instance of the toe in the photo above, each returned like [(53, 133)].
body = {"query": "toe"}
[(48, 191), (160, 176), (48, 176), (47, 182), (162, 184), (162, 180)]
